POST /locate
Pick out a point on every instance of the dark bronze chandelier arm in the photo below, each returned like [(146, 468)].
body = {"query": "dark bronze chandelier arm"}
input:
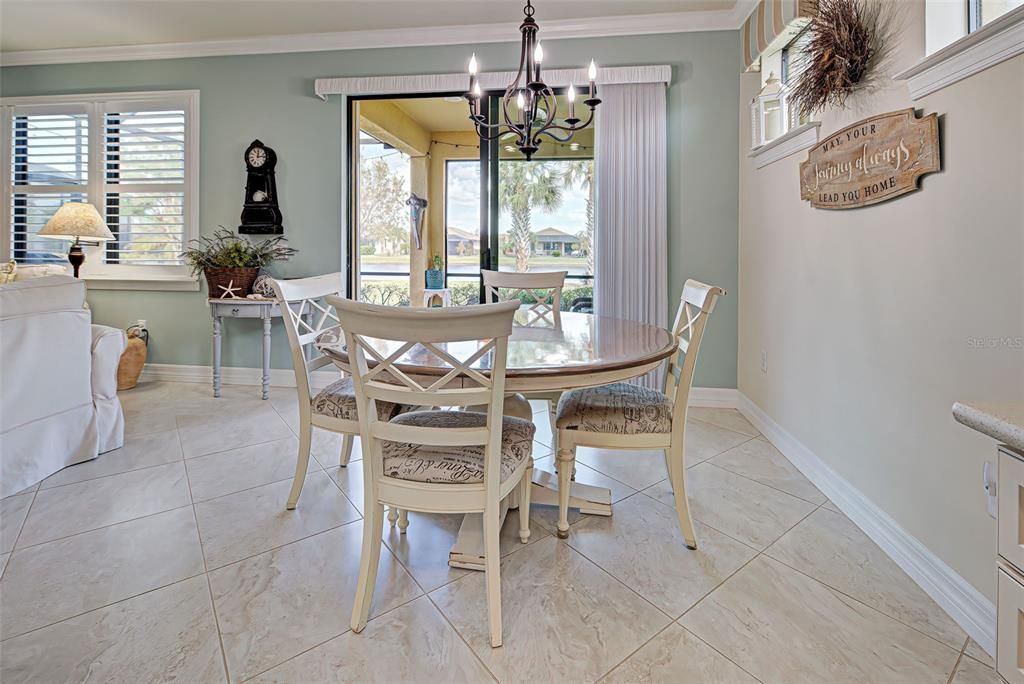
[(496, 136)]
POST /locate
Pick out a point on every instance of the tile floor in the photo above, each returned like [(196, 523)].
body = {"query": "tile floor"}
[(173, 559)]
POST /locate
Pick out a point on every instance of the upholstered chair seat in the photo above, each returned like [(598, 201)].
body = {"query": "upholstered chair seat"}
[(338, 400), (462, 464), (620, 408)]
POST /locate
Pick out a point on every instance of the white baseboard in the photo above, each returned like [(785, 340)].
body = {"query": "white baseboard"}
[(714, 397), (975, 614), (230, 375)]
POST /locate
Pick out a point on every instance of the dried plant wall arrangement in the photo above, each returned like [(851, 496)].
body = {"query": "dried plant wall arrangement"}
[(847, 39)]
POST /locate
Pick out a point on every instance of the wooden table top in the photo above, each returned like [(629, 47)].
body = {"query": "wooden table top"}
[(584, 344)]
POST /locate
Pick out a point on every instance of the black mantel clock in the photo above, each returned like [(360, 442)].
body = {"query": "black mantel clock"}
[(260, 213)]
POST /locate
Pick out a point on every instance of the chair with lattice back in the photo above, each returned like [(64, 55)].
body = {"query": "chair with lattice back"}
[(306, 317), (438, 461), (543, 290), (629, 416)]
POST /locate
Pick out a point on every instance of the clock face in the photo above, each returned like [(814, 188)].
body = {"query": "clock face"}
[(259, 196), (257, 157)]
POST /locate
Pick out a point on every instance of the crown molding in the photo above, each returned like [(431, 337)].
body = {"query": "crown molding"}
[(597, 27)]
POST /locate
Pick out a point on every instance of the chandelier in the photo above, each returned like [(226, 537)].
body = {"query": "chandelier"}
[(529, 108)]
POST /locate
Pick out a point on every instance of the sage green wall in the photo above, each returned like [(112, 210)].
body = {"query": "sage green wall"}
[(270, 97)]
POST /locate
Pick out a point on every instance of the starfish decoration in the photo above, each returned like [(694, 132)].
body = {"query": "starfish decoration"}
[(229, 291)]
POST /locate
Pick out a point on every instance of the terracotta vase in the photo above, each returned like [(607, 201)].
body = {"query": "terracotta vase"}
[(133, 358)]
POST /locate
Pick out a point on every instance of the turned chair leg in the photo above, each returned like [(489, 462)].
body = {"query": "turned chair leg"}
[(301, 465), (403, 521), (566, 464), (492, 571), (346, 449), (525, 488), (369, 559), (677, 479)]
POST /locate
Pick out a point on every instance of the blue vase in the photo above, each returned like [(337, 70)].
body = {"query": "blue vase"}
[(435, 279)]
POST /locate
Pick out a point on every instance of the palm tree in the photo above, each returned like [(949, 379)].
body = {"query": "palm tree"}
[(523, 187), (580, 173)]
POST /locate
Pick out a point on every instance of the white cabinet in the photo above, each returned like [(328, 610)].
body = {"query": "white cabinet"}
[(1010, 591)]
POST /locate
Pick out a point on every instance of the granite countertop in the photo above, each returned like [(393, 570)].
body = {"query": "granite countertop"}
[(1003, 421)]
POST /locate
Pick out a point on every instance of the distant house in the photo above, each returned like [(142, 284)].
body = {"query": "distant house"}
[(462, 242), (551, 240)]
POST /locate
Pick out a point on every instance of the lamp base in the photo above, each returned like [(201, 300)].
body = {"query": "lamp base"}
[(76, 256)]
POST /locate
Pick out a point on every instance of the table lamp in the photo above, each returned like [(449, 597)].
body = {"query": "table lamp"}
[(75, 221)]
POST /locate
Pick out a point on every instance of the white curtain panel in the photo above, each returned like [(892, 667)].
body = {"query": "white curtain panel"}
[(631, 157)]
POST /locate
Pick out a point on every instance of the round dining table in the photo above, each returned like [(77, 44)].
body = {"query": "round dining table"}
[(552, 355)]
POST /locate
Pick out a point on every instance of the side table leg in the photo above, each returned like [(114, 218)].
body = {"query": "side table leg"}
[(266, 357), (217, 322)]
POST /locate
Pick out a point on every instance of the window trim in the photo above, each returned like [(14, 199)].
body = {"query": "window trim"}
[(98, 273), (997, 41)]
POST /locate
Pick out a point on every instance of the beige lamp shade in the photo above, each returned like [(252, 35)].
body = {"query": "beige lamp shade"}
[(76, 220)]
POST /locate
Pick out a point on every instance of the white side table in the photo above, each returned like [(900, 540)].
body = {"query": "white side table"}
[(264, 309), (444, 295)]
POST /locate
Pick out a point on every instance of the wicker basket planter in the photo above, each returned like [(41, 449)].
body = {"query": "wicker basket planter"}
[(239, 278)]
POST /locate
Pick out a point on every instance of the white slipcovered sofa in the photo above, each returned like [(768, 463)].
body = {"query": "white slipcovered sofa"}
[(58, 381)]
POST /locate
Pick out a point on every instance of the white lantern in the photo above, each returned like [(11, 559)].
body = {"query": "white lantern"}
[(768, 112)]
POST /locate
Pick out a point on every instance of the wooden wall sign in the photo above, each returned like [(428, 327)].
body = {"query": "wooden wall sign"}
[(871, 161)]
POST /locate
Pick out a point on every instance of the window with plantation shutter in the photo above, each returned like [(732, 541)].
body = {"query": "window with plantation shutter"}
[(144, 175), (134, 156)]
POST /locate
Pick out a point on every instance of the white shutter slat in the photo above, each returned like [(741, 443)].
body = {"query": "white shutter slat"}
[(145, 186)]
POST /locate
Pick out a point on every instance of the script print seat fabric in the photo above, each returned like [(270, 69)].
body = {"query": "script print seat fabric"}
[(461, 465), (620, 408), (338, 400)]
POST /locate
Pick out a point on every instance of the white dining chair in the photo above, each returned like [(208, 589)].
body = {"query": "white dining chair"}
[(437, 461), (545, 289), (627, 416), (306, 316)]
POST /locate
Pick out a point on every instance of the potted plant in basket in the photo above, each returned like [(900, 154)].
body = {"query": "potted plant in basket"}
[(230, 262), (435, 275)]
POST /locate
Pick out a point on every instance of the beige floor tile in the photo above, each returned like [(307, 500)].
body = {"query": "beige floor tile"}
[(278, 604), (27, 490), (831, 506), (975, 651), (138, 452), (412, 644), (564, 619), (3, 562), (13, 510), (831, 549), (423, 550), (782, 626), (970, 671), (730, 419), (231, 428), (641, 546), (745, 510), (165, 635), (226, 472), (350, 479), (638, 469), (678, 656), (246, 523), (50, 582), (759, 460), (548, 515), (63, 511), (704, 440), (141, 422)]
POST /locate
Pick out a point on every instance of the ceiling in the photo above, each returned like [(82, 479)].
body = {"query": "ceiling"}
[(436, 114), (34, 25)]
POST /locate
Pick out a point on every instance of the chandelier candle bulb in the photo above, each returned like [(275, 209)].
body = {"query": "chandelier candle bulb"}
[(537, 103)]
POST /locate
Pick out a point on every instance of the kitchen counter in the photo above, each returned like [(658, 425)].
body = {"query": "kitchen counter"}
[(1003, 421)]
